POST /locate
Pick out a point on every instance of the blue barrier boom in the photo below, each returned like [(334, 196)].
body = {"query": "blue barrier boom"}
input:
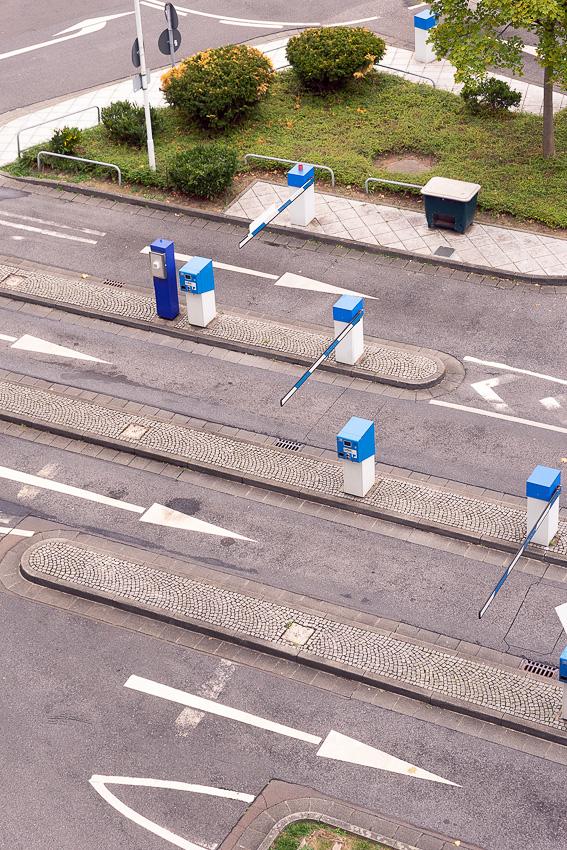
[(320, 359), (517, 556), (268, 215)]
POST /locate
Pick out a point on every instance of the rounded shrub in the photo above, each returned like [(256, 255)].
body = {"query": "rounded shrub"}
[(205, 170), (126, 122), (490, 94), (218, 86), (65, 140), (327, 57)]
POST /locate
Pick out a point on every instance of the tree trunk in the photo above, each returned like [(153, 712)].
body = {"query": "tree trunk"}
[(548, 135)]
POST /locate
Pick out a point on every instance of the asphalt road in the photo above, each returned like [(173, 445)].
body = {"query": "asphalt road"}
[(66, 715)]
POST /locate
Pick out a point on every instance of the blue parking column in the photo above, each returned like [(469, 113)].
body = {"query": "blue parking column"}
[(162, 264), (563, 678), (197, 280), (355, 447), (302, 211), (423, 23), (351, 348), (539, 490)]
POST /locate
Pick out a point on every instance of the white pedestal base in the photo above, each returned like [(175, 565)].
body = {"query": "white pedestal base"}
[(302, 211), (423, 51), (359, 477), (201, 308), (351, 349), (548, 529)]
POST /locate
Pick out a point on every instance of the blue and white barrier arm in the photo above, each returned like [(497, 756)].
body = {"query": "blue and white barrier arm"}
[(320, 359), (268, 215), (520, 552)]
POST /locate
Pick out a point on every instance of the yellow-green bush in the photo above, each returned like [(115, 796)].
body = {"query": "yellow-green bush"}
[(327, 57)]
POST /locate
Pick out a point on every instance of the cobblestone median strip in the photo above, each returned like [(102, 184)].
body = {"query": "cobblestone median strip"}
[(299, 473), (387, 362), (494, 689)]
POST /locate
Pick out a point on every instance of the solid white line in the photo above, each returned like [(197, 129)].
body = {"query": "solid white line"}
[(57, 487), (259, 26), (54, 223), (19, 532), (185, 258), (8, 338), (48, 232), (146, 686), (359, 21), (503, 416), (244, 20), (98, 783), (159, 6), (515, 369)]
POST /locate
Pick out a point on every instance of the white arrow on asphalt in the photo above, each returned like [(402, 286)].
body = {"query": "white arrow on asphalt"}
[(86, 30), (485, 389), (185, 258), (157, 514), (42, 346), (297, 281), (561, 612), (91, 22), (335, 745)]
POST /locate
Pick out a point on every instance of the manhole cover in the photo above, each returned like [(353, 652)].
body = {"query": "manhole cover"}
[(443, 251), (133, 432), (291, 445), (297, 634), (541, 669)]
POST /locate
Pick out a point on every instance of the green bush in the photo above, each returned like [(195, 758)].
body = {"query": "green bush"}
[(328, 57), (126, 122), (218, 86), (490, 94), (65, 140), (205, 170)]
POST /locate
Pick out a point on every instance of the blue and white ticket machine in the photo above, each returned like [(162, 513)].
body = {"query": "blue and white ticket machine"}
[(162, 264), (302, 211), (563, 678), (423, 23), (355, 446), (351, 348), (539, 490), (197, 280)]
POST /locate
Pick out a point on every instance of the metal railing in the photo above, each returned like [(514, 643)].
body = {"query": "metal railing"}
[(392, 183), (51, 120), (291, 162), (78, 159), (411, 73)]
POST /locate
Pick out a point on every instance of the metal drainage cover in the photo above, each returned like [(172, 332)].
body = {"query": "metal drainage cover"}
[(541, 669), (291, 445), (110, 282), (443, 251), (133, 432)]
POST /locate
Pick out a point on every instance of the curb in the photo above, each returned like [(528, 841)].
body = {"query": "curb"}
[(293, 653), (539, 280)]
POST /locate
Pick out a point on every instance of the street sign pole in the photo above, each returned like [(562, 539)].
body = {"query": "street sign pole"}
[(143, 72), (170, 27)]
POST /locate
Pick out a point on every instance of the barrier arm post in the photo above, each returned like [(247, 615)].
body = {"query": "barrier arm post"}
[(260, 223)]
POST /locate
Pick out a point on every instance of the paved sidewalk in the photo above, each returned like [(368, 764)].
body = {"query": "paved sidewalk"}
[(178, 594)]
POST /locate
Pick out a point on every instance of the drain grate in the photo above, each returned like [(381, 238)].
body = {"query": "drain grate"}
[(538, 667), (292, 445), (110, 282)]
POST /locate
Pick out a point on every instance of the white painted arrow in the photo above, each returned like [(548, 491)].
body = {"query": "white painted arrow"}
[(91, 22), (297, 281), (42, 346), (484, 389), (335, 746), (160, 515), (561, 612)]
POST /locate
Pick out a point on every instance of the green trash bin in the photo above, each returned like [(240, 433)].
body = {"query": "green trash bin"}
[(450, 203)]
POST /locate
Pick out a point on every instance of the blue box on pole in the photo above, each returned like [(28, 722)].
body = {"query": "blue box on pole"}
[(197, 276), (563, 666), (355, 441), (165, 278), (424, 20), (346, 308), (542, 482), (300, 174)]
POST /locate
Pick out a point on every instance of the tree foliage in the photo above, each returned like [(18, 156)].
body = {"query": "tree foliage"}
[(476, 36)]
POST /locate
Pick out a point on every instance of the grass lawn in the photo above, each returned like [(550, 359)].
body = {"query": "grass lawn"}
[(354, 130), (313, 835)]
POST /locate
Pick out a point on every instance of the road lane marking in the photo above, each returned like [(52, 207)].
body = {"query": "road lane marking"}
[(8, 338), (47, 232), (161, 515), (359, 21), (342, 748), (146, 686), (17, 532), (486, 391), (245, 24), (53, 223), (494, 415), (27, 492), (550, 403), (153, 4), (244, 20), (296, 281), (185, 258), (42, 346), (561, 612), (99, 784), (87, 27), (515, 369), (190, 718)]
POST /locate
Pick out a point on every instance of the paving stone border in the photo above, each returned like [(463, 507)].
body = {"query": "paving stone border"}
[(281, 803)]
